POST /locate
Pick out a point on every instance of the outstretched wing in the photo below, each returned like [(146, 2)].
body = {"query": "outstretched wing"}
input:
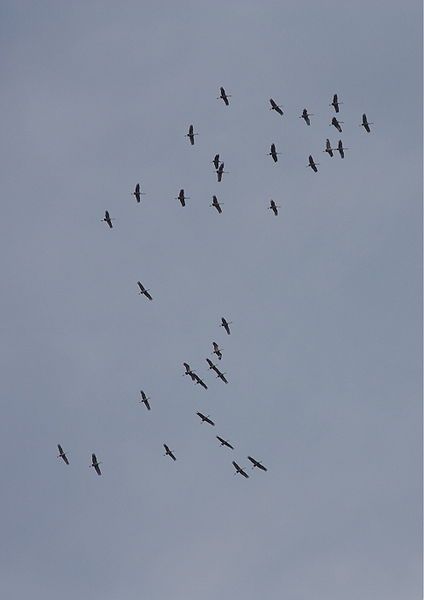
[(97, 469), (225, 325), (146, 293)]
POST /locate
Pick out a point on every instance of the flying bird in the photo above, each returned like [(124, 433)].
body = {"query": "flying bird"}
[(366, 124), (312, 164), (137, 193), (341, 149), (62, 454), (216, 350), (107, 219), (95, 463), (182, 198), (305, 116), (216, 162), (220, 171), (239, 470), (144, 400), (336, 103), (224, 96), (217, 371), (143, 290), (225, 442), (169, 452), (226, 325), (274, 207), (191, 134), (328, 148), (273, 153), (216, 204), (205, 419), (274, 106), (336, 124), (257, 463)]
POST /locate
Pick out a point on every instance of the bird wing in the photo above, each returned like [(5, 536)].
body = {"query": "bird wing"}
[(190, 130), (226, 326), (141, 286), (253, 460), (210, 363), (236, 466), (146, 293), (93, 459), (187, 367), (202, 383), (97, 469), (216, 161), (209, 421), (146, 402), (143, 395), (65, 458), (59, 447), (172, 455), (220, 439), (244, 473), (222, 376), (166, 448)]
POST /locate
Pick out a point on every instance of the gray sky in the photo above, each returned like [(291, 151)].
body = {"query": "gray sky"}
[(324, 359)]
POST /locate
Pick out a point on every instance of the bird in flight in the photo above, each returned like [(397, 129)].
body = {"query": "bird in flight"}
[(336, 103), (216, 204), (328, 148), (137, 193), (273, 153), (205, 418), (182, 198), (274, 106), (240, 470), (220, 171), (95, 463), (191, 134), (341, 149), (143, 291), (107, 219), (216, 162), (336, 124), (257, 463), (216, 350), (226, 325), (312, 164), (144, 400), (224, 442), (224, 96), (274, 207), (305, 116), (62, 454), (169, 452), (365, 123)]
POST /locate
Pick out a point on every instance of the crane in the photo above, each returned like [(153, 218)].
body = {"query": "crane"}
[(257, 463), (191, 134), (220, 171), (182, 198), (305, 116), (341, 149), (107, 219), (328, 148), (215, 162), (143, 290), (273, 153), (240, 470), (312, 164), (365, 123), (62, 454), (216, 350), (226, 325), (274, 106), (274, 207), (137, 193), (336, 103), (169, 452), (336, 124), (205, 419), (224, 442), (144, 400), (216, 204), (95, 463), (224, 96), (217, 371)]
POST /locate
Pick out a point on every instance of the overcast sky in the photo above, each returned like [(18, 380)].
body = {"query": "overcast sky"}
[(324, 357)]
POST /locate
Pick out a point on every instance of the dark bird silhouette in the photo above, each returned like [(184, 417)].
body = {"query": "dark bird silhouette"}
[(273, 153), (169, 452), (216, 204), (137, 193), (216, 350), (336, 103), (336, 124), (257, 463), (305, 116), (191, 134), (226, 325), (274, 207), (328, 148), (224, 96), (205, 418), (365, 123), (217, 371), (188, 370), (62, 454), (225, 442), (240, 470), (107, 219), (274, 106), (144, 400), (341, 149), (312, 164), (220, 171), (95, 463), (182, 198), (143, 290)]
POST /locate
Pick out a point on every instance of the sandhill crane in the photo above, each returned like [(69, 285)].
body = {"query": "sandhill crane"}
[(216, 350), (224, 442), (191, 134), (273, 153), (216, 162), (107, 219), (169, 452), (143, 291), (205, 418), (226, 325), (336, 103), (224, 96), (305, 116), (341, 149), (312, 164), (366, 124), (137, 193), (274, 207), (144, 400), (62, 454), (328, 148), (217, 371), (95, 463), (240, 470), (182, 198), (220, 171), (257, 463), (336, 124), (216, 204), (274, 106)]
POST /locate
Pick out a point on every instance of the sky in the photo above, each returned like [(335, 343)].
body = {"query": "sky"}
[(324, 360)]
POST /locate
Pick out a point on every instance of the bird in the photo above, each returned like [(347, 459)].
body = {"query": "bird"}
[(95, 463), (305, 116), (274, 207), (336, 103), (226, 325), (182, 198), (205, 418), (144, 400), (256, 463), (143, 290), (137, 193), (216, 350), (312, 164), (169, 452), (336, 124), (191, 134), (274, 106), (188, 370), (328, 148), (365, 123), (224, 442), (62, 454), (341, 149), (224, 96), (107, 219), (239, 470), (216, 162), (217, 371), (220, 171), (216, 204), (273, 153)]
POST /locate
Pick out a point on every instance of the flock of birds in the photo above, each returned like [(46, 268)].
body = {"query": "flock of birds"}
[(219, 169)]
